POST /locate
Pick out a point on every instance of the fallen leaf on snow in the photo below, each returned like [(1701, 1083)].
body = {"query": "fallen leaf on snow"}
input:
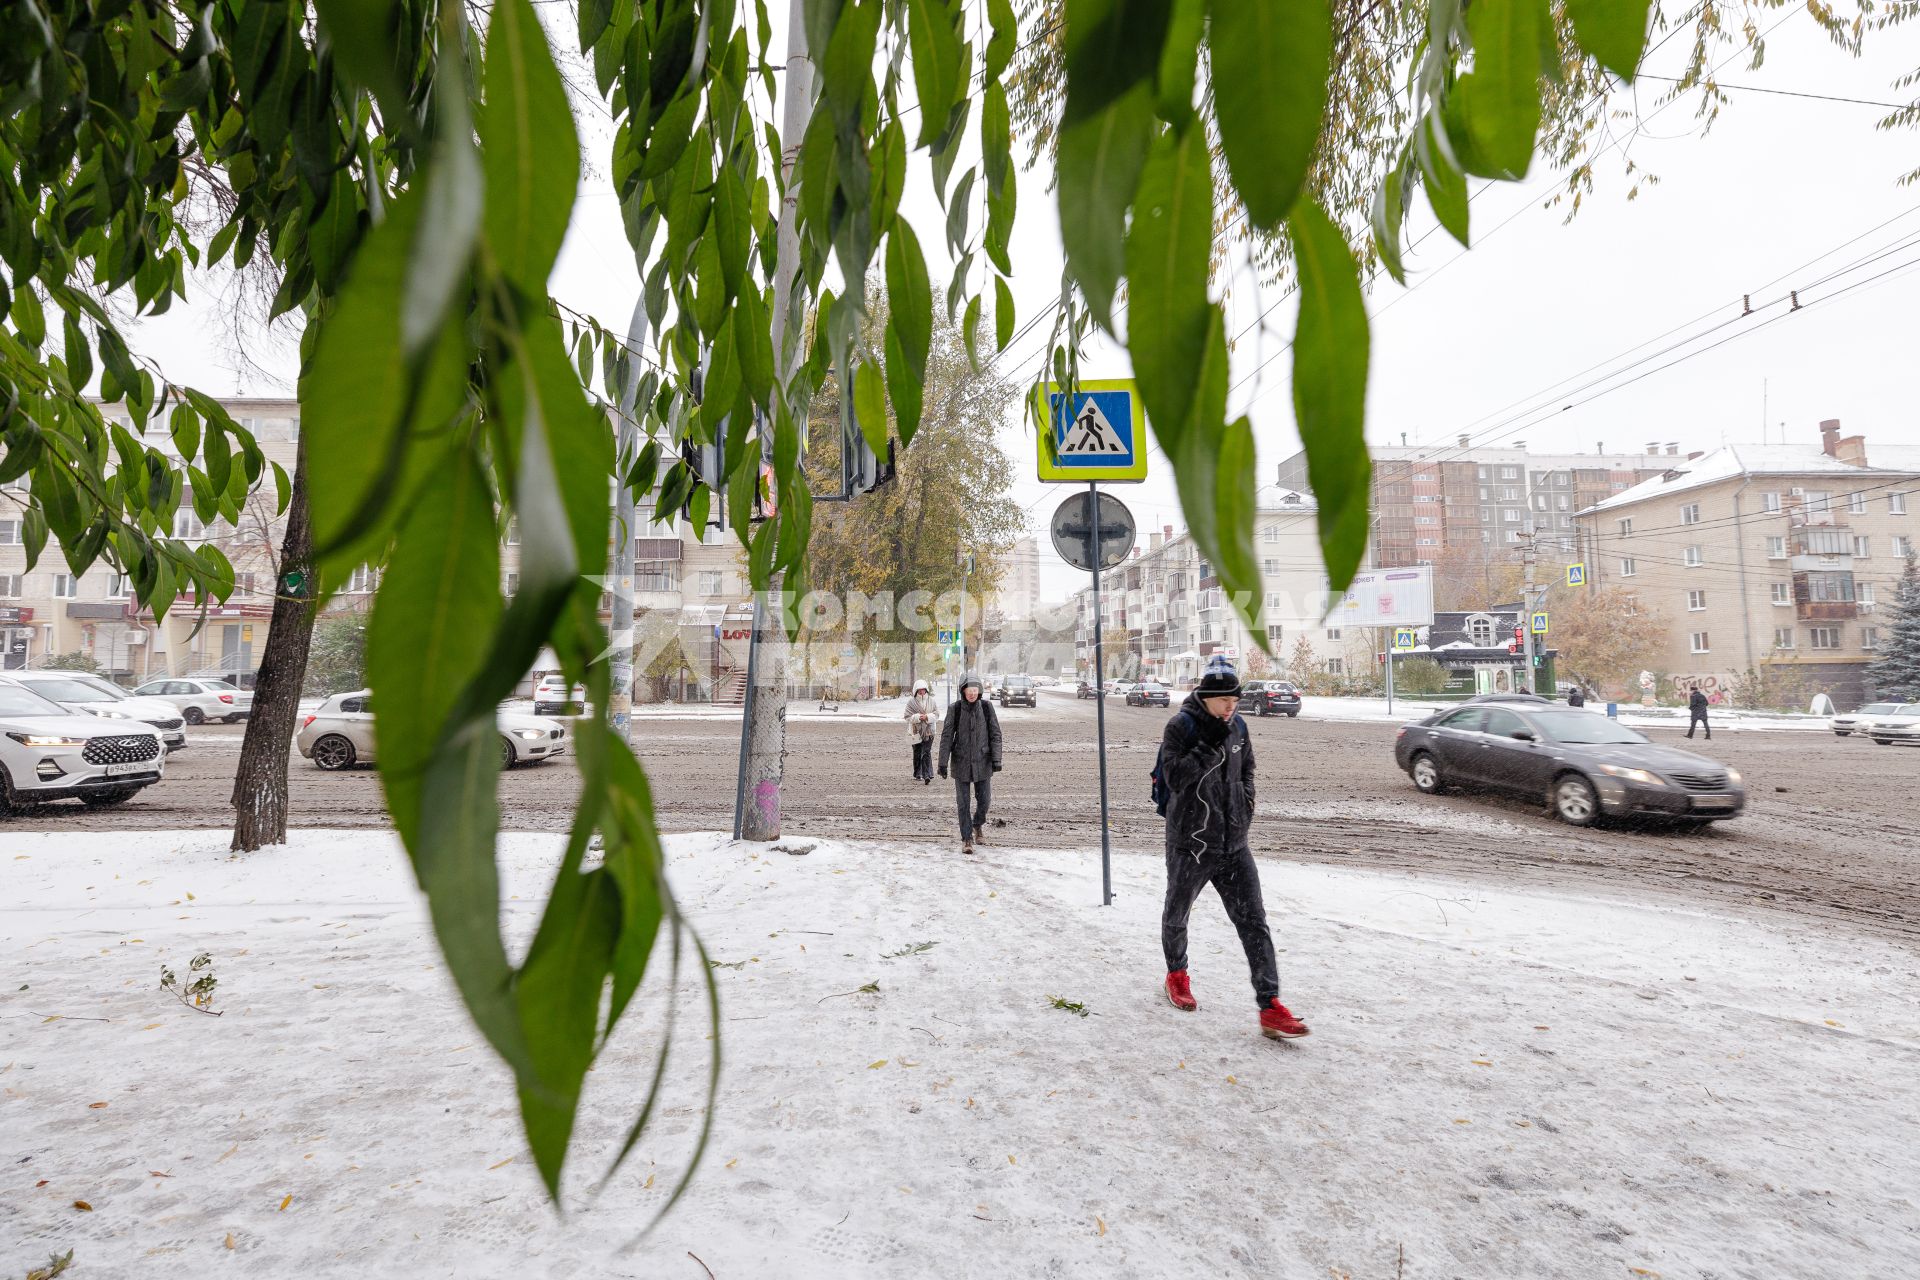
[(1463, 1122), (1481, 1062), (189, 897), (229, 1239), (1642, 1271), (83, 1206), (229, 1151), (1231, 1080), (1832, 1023), (41, 1183), (285, 1201), (95, 1106), (52, 1017), (648, 1183), (875, 1066), (1102, 1224), (1543, 1028), (150, 1026), (509, 1160), (733, 1162), (155, 1173), (905, 1063)]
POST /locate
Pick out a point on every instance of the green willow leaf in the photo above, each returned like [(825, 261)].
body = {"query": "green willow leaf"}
[(1000, 47), (79, 356), (1613, 31), (1173, 81), (937, 65), (1111, 46), (909, 298), (1499, 101), (1168, 248), (531, 153), (870, 405), (970, 330), (1002, 314), (905, 388), (996, 137), (1100, 162), (731, 227), (1330, 387), (452, 195), (1270, 65), (958, 209), (1445, 185), (363, 39)]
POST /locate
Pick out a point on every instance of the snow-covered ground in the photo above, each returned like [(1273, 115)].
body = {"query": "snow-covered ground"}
[(1498, 1084)]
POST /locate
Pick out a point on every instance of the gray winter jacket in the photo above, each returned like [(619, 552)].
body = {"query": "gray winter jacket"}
[(970, 740), (1209, 782)]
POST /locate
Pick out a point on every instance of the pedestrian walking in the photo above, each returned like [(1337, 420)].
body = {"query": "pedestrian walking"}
[(970, 752), (920, 715), (1206, 768), (1697, 718), (1576, 697)]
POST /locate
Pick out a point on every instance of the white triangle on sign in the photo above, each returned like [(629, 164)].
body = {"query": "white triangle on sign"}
[(1092, 432)]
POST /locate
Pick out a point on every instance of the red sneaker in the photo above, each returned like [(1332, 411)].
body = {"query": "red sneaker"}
[(1278, 1023), (1180, 991)]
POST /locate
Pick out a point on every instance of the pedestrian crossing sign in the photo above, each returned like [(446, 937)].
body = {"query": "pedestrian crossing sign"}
[(1403, 638), (1577, 575), (1100, 436), (1539, 624)]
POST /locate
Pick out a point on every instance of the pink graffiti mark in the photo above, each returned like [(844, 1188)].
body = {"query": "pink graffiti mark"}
[(766, 796)]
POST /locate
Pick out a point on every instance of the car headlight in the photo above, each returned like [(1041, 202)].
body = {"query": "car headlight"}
[(108, 713), (46, 740), (531, 735), (1634, 775), (1733, 775)]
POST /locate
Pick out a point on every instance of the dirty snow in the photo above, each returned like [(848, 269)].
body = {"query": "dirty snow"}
[(1498, 1084)]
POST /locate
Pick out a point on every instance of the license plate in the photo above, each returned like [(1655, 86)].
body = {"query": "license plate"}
[(133, 766), (1713, 802)]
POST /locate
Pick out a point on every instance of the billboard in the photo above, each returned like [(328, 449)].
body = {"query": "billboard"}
[(1387, 598)]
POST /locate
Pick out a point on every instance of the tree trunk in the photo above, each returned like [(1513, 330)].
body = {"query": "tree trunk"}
[(260, 787)]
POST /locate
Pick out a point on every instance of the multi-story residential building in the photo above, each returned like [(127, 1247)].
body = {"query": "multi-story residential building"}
[(1771, 558), (696, 579), (1428, 501), (1167, 606)]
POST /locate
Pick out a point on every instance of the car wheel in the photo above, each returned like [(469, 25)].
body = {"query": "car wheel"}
[(506, 753), (1426, 774), (1839, 733), (333, 752), (9, 800), (195, 715), (1885, 742), (106, 799), (1292, 714), (1574, 801)]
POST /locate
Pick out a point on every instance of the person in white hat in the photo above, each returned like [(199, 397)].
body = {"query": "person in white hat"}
[(921, 714)]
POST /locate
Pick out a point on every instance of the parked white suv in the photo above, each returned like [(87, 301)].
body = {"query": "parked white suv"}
[(200, 700), (1902, 724), (49, 753), (89, 695), (554, 696), (339, 734), (1856, 721)]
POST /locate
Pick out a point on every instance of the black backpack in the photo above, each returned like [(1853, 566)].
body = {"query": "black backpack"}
[(1160, 793)]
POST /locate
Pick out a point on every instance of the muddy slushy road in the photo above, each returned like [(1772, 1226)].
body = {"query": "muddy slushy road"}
[(1831, 832)]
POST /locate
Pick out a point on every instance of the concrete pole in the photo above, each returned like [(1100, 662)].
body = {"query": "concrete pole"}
[(1526, 609), (763, 729), (627, 443)]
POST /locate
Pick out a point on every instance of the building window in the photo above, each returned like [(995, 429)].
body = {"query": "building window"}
[(1692, 556), (1333, 633), (1559, 502), (1770, 502), (1511, 517), (119, 587), (1824, 637), (1690, 514), (1863, 594), (1628, 568), (1902, 546), (246, 584), (1696, 601), (9, 533), (1776, 548), (1783, 637), (1832, 588), (1274, 634), (1269, 566), (1271, 533), (1869, 637), (1824, 542), (66, 587), (1334, 667), (1486, 493), (1699, 642), (1862, 547), (710, 582), (1509, 473), (188, 525), (1480, 630), (1626, 526), (1857, 502), (1783, 593), (513, 531), (1510, 493), (1273, 599), (9, 586), (1896, 504), (359, 582), (1818, 500), (513, 585)]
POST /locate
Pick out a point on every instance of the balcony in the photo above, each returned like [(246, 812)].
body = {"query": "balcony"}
[(1821, 563), (1826, 610)]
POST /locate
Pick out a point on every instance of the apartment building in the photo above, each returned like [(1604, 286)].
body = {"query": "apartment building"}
[(696, 579), (1428, 501), (1774, 558), (1166, 605)]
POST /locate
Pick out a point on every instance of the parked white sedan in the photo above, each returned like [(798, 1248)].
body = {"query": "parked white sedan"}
[(1902, 724), (200, 700), (49, 753), (339, 734), (89, 695), (1848, 722)]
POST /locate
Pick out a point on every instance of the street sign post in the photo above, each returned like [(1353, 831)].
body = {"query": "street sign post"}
[(1095, 531), (1403, 638), (1101, 435), (1539, 624), (1577, 575)]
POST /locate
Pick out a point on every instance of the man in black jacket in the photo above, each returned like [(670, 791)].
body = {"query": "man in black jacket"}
[(970, 748), (1206, 764), (1697, 714)]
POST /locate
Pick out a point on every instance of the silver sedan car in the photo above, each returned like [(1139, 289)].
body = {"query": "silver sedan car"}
[(339, 734)]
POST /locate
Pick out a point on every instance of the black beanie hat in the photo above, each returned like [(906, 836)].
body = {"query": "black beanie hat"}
[(1220, 680)]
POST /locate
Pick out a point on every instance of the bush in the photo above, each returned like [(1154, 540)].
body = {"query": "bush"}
[(75, 661), (337, 658), (1419, 677)]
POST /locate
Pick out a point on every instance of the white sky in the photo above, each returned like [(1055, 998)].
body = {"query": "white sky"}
[(1779, 181)]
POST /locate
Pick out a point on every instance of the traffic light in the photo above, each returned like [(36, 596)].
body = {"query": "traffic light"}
[(1519, 633)]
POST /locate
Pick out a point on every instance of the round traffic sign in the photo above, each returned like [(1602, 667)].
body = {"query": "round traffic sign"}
[(1074, 530)]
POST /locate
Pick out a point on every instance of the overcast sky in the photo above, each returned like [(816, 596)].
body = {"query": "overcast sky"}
[(1481, 337)]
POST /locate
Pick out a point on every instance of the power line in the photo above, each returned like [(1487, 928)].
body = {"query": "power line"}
[(1786, 93)]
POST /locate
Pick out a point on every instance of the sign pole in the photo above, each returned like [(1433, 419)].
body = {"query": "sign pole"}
[(1100, 700), (1390, 643)]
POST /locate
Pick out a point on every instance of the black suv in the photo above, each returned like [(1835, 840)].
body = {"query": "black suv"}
[(1017, 691), (1270, 698)]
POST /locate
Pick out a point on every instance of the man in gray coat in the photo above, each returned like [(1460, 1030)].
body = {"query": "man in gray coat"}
[(970, 754)]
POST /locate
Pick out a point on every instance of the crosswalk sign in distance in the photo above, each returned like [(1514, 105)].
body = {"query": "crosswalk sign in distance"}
[(1100, 436)]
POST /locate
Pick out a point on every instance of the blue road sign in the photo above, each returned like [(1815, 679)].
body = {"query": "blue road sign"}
[(1101, 436)]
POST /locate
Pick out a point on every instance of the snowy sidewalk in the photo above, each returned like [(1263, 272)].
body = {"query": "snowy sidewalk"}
[(1498, 1085)]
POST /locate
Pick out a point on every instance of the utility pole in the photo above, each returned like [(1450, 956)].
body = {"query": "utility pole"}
[(1526, 608), (763, 727), (966, 572), (627, 442)]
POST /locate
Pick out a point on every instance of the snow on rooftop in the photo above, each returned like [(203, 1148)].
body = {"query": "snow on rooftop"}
[(1730, 461), (1500, 1082)]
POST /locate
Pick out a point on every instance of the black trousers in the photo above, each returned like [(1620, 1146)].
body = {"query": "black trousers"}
[(1235, 877), (922, 759), (1699, 721), (974, 815)]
